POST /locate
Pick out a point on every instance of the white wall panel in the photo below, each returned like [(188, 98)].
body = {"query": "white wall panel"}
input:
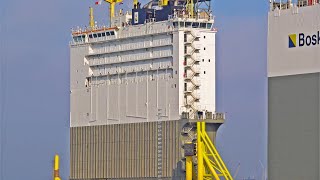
[(283, 60)]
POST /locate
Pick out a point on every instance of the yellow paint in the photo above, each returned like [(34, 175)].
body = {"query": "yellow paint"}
[(215, 175), (91, 23), (163, 3), (190, 8), (293, 38), (199, 153), (135, 4), (189, 168), (209, 159), (56, 162), (56, 167), (112, 7)]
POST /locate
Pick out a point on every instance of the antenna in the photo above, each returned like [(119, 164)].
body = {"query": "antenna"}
[(237, 171), (263, 171)]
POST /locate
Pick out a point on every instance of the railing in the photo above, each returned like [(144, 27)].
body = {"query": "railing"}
[(288, 5), (121, 48)]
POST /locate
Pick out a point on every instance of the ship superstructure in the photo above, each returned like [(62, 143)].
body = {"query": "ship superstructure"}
[(293, 92), (137, 89), (128, 73)]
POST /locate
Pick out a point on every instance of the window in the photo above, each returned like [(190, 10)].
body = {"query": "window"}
[(90, 36), (108, 33), (185, 86), (209, 60), (204, 72), (95, 35), (203, 25), (188, 24), (112, 33), (103, 34), (175, 85), (99, 35), (175, 24), (202, 60), (185, 49), (195, 25), (185, 38), (181, 24), (209, 25), (204, 37), (204, 48)]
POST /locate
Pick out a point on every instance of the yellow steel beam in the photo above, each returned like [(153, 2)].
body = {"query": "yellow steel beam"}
[(189, 168), (199, 152), (214, 173), (112, 6), (216, 156), (205, 149)]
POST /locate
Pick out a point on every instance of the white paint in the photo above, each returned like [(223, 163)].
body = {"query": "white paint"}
[(136, 73), (283, 60)]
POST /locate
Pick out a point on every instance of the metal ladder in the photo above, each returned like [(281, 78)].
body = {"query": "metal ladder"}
[(159, 147)]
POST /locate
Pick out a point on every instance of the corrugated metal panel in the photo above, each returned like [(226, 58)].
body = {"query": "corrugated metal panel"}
[(123, 151)]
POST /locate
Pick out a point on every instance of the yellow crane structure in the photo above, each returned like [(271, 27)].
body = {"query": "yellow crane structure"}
[(112, 6), (56, 168), (91, 22), (209, 163), (190, 8)]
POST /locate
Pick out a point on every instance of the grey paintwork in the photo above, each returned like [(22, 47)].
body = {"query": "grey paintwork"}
[(293, 135)]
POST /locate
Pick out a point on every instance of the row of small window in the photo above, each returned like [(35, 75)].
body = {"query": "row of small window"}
[(82, 38), (96, 35), (192, 25), (79, 38)]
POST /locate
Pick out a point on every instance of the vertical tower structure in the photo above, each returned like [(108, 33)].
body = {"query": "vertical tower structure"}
[(294, 90), (136, 87)]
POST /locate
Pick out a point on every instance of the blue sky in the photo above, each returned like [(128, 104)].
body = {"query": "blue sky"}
[(35, 63)]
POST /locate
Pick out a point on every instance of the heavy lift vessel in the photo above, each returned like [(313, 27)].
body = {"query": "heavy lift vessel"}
[(143, 94)]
